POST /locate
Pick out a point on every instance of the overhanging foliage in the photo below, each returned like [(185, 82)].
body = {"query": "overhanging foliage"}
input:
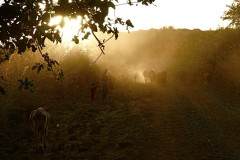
[(24, 24)]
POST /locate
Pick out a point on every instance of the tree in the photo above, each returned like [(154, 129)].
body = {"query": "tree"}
[(233, 14), (24, 26)]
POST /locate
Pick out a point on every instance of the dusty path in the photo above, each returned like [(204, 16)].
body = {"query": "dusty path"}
[(136, 123)]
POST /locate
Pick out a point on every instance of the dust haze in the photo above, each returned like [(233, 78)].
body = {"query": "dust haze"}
[(192, 53), (174, 91), (193, 56)]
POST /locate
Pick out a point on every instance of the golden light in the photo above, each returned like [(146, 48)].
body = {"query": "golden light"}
[(55, 21), (70, 29), (71, 26)]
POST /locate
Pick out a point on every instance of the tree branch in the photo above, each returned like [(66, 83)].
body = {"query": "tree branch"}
[(97, 58), (121, 4), (100, 44)]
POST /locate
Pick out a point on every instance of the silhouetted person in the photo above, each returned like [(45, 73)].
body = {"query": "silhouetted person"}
[(93, 91), (105, 81)]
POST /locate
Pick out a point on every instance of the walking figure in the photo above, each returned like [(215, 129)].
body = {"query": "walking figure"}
[(105, 83), (93, 91)]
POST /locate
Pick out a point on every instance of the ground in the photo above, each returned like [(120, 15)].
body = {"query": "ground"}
[(138, 122)]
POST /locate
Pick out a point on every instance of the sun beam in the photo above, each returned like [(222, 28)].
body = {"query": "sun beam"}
[(71, 28)]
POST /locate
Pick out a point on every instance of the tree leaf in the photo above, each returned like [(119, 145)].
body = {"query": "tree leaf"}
[(86, 35), (129, 23), (93, 27)]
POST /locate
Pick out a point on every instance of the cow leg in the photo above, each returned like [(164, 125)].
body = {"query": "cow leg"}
[(45, 138), (40, 149), (44, 142), (38, 145)]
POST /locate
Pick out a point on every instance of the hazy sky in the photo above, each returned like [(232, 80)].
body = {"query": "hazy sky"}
[(202, 14)]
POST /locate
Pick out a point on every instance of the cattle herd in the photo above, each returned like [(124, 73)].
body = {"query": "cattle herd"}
[(40, 118), (204, 76)]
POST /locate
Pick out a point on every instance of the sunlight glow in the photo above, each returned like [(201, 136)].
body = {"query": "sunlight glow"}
[(55, 20), (71, 28)]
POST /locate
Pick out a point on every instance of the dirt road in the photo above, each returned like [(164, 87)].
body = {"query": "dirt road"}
[(140, 122)]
